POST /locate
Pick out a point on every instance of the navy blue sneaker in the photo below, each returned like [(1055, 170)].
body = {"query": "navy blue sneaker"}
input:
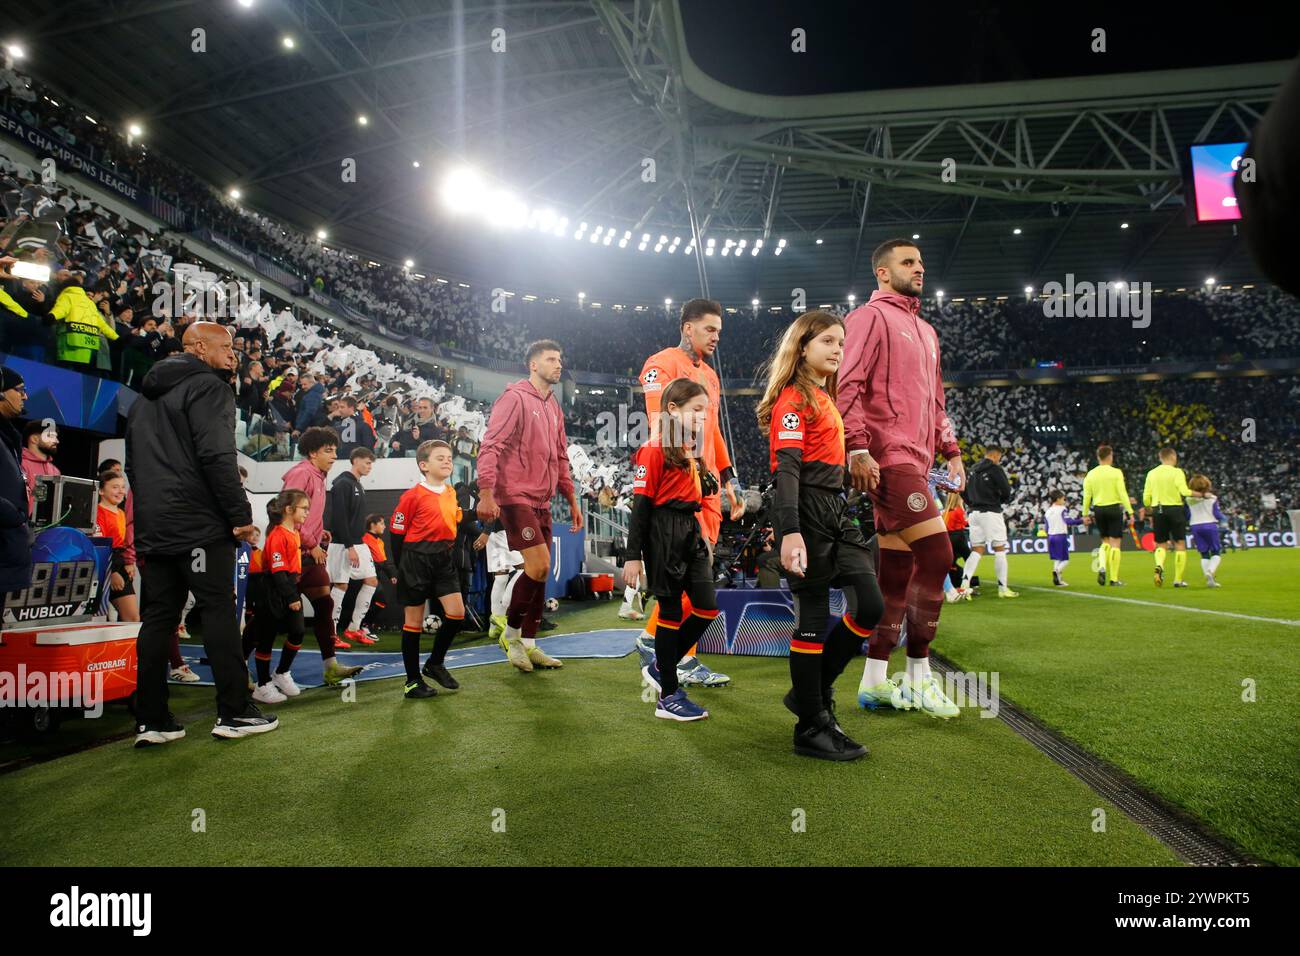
[(650, 674), (677, 706)]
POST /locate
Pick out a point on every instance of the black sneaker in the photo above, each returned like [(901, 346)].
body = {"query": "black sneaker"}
[(161, 733), (824, 741), (850, 744), (251, 721), (1056, 579), (828, 702), (547, 625), (1101, 578), (440, 673), (419, 690), (1117, 584)]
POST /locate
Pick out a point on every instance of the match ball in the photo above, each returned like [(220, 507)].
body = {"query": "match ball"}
[(431, 624), (552, 604)]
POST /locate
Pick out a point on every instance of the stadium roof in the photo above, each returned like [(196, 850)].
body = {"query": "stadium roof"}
[(844, 143)]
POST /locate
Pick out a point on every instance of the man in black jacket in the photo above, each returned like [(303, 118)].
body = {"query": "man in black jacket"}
[(15, 540), (348, 558), (190, 511), (987, 490)]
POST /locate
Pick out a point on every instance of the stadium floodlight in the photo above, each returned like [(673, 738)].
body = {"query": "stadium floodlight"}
[(15, 50), (1120, 284), (668, 303), (506, 210), (622, 243), (754, 303), (677, 240), (609, 237), (545, 219), (939, 293), (1123, 225), (321, 234), (778, 250), (246, 4), (819, 242), (711, 243), (641, 248), (415, 163), (726, 250), (708, 251), (645, 237), (780, 243), (1029, 290), (287, 42), (135, 129), (627, 233), (663, 240), (659, 247), (363, 120), (463, 190), (409, 263), (671, 250), (599, 230), (741, 244), (689, 250), (916, 235), (754, 251), (595, 237), (235, 193), (852, 298), (1210, 281), (582, 295), (1016, 231), (758, 243)]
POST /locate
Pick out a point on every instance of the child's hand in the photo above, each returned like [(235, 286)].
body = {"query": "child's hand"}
[(794, 555), (295, 606), (631, 573)]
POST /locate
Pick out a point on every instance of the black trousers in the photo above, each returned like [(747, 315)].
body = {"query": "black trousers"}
[(167, 579)]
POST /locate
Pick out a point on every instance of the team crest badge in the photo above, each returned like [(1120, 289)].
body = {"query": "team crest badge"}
[(916, 501), (790, 421), (529, 534)]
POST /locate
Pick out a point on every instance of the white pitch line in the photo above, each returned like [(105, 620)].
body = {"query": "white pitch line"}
[(1172, 607)]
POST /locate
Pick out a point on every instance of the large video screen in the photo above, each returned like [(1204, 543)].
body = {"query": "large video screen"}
[(1213, 167)]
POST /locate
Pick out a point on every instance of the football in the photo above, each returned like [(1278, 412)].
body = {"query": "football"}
[(431, 624), (552, 604)]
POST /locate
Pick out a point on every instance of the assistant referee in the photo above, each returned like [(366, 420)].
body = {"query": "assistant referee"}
[(1105, 501)]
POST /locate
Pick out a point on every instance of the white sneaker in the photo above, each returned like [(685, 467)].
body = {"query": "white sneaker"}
[(184, 675), (284, 683), (630, 614), (267, 694)]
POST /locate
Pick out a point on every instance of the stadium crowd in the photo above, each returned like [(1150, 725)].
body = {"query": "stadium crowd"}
[(295, 373)]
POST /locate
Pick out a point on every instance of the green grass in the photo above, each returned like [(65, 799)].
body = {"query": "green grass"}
[(585, 775), (1157, 691)]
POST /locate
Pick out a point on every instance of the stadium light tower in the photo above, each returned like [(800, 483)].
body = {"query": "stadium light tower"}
[(409, 263), (938, 294), (235, 193), (1016, 231), (287, 42), (15, 50), (668, 303), (852, 298), (321, 234)]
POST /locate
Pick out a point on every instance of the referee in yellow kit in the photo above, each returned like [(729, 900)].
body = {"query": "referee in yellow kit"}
[(1163, 495), (1105, 501)]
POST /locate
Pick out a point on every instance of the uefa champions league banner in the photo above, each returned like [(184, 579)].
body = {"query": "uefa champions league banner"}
[(1087, 542), (69, 580), (45, 143)]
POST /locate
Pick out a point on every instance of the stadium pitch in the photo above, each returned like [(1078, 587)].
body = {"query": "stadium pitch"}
[(570, 767)]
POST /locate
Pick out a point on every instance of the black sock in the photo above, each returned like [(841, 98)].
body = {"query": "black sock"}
[(287, 655), (842, 646), (668, 651), (806, 676), (692, 629), (446, 634), (263, 668), (411, 653), (249, 641)]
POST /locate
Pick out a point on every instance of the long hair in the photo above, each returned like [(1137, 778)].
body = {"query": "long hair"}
[(672, 436), (787, 366), (277, 506), (1199, 483)]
